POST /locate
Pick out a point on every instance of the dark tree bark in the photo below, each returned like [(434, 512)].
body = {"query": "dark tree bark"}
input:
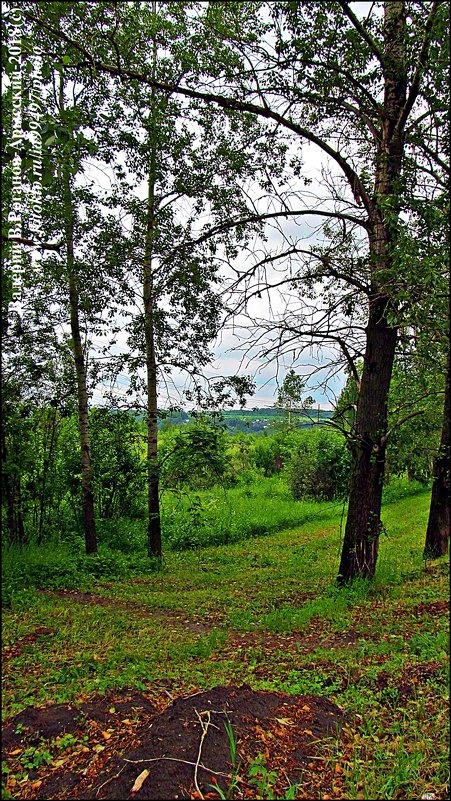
[(153, 500), (438, 530), (16, 528), (153, 480), (48, 456), (363, 525)]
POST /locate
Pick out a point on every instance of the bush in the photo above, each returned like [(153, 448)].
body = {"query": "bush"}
[(56, 566), (124, 534), (193, 457), (267, 455), (320, 466)]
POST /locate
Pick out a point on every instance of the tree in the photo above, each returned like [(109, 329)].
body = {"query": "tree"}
[(439, 522), (369, 94), (192, 170), (289, 396), (71, 291)]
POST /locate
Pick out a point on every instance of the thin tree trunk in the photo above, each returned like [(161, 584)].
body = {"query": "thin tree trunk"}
[(83, 408), (16, 526), (80, 369), (45, 470), (11, 487), (153, 497), (363, 524), (153, 501), (438, 530)]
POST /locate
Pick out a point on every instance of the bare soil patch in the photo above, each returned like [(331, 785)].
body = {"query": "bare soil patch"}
[(431, 608), (299, 641), (185, 747), (198, 626), (28, 639)]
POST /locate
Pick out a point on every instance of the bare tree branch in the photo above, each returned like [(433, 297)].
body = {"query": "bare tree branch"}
[(32, 243)]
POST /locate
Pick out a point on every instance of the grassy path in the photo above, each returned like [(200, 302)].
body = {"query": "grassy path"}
[(265, 612)]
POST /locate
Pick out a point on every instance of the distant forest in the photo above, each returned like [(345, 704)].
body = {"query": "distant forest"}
[(254, 420)]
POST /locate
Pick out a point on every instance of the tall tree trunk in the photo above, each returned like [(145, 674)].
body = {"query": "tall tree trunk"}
[(12, 494), (16, 528), (153, 482), (82, 397), (438, 530), (153, 500), (363, 524), (80, 367), (48, 456)]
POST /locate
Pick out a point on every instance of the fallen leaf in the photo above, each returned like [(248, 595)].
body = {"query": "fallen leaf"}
[(16, 751), (285, 721), (139, 781), (106, 735), (306, 708), (307, 731), (338, 768)]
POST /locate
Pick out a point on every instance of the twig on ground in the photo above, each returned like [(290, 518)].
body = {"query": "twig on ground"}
[(174, 759), (204, 734), (110, 780)]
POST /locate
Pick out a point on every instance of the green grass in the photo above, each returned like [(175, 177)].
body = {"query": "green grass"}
[(269, 615), (220, 516)]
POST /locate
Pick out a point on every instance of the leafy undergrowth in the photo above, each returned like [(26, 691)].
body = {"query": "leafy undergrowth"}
[(265, 613)]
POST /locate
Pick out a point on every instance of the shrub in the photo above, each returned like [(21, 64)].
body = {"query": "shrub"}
[(193, 457), (267, 455), (319, 468)]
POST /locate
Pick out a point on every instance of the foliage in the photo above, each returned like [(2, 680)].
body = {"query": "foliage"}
[(319, 468), (193, 457), (415, 387), (289, 396), (267, 454), (415, 412), (119, 479)]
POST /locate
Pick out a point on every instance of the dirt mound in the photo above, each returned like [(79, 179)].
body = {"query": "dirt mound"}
[(34, 724), (185, 749)]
